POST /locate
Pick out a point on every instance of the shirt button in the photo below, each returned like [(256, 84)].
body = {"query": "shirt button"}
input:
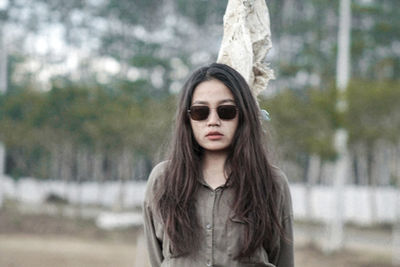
[(208, 263), (208, 226)]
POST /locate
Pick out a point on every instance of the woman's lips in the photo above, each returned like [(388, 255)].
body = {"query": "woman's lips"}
[(214, 135)]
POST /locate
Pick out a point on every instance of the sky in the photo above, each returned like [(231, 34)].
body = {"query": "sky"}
[(3, 4)]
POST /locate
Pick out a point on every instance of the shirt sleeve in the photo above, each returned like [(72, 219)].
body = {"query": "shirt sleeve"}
[(285, 251), (153, 242), (154, 247)]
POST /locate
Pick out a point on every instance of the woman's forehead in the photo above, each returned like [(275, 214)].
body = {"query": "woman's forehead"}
[(212, 91)]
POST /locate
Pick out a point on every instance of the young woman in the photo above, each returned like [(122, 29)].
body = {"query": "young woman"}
[(218, 201)]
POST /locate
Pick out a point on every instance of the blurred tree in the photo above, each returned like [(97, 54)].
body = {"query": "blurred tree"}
[(376, 25), (203, 14), (310, 119), (374, 106), (373, 122), (71, 123), (304, 124), (304, 34)]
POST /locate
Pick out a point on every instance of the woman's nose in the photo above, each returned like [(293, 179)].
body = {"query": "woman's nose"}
[(213, 118)]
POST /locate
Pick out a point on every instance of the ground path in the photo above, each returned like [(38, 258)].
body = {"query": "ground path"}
[(33, 250), (39, 240)]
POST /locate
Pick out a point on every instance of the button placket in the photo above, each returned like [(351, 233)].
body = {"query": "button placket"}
[(209, 228)]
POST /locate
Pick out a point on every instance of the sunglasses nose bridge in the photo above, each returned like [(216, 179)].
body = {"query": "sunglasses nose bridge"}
[(213, 116)]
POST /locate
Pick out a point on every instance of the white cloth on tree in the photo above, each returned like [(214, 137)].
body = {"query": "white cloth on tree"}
[(246, 42)]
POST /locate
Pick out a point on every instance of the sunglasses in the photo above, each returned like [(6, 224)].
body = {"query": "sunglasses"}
[(225, 112)]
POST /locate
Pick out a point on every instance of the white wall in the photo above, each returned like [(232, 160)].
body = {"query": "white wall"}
[(107, 194), (363, 205)]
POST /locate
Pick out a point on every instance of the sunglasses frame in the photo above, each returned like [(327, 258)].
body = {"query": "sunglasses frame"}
[(209, 111)]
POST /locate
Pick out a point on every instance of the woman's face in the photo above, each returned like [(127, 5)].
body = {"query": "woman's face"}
[(212, 132)]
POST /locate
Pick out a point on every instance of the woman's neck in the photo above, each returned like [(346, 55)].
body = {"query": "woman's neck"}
[(213, 168)]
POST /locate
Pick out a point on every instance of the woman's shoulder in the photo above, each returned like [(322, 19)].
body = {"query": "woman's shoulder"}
[(281, 178), (158, 170), (285, 201), (154, 179)]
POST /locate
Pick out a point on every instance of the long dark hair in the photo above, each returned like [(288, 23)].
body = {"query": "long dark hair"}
[(249, 171)]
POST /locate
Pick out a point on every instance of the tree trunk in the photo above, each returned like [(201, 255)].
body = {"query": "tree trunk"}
[(327, 169), (363, 165), (392, 164), (314, 168), (397, 160), (66, 166), (2, 170), (82, 172), (382, 168), (98, 174), (3, 61), (55, 161), (336, 226), (396, 233), (372, 166), (3, 89), (124, 172)]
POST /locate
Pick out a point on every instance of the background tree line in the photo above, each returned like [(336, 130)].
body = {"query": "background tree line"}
[(80, 133), (110, 115)]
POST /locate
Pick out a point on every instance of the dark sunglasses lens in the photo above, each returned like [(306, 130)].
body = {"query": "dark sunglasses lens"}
[(226, 112), (199, 113)]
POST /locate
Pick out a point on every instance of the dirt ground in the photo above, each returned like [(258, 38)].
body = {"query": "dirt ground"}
[(44, 241)]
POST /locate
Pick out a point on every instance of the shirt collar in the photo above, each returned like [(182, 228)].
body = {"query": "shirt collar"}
[(204, 183)]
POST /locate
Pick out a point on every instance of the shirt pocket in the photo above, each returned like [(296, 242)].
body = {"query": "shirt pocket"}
[(236, 228)]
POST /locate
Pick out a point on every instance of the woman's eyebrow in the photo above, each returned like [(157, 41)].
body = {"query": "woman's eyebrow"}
[(226, 101)]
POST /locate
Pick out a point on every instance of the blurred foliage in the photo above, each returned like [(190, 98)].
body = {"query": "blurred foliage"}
[(304, 122), (373, 112), (202, 12), (127, 117), (304, 34), (96, 118)]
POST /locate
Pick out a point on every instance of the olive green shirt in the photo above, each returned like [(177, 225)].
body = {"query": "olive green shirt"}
[(221, 231)]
